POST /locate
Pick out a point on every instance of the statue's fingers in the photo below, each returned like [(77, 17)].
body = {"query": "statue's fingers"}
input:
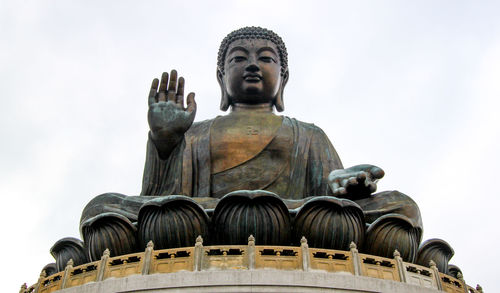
[(335, 186), (337, 190), (377, 172), (153, 91), (163, 81), (353, 180), (163, 87), (162, 97), (367, 182), (341, 191), (362, 175), (191, 104), (179, 98), (173, 80), (344, 182), (372, 187), (172, 85)]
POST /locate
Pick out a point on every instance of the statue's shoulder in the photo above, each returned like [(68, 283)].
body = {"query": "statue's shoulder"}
[(304, 126), (200, 127)]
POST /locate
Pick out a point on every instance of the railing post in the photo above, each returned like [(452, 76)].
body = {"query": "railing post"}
[(43, 275), (23, 289), (355, 259), (67, 273), (434, 269), (198, 253), (148, 255), (251, 252), (306, 264), (103, 265), (461, 278), (401, 266), (478, 288)]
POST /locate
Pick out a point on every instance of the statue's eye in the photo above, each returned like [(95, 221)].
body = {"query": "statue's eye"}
[(238, 59), (267, 59)]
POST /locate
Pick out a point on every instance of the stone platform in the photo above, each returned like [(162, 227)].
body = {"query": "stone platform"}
[(260, 280)]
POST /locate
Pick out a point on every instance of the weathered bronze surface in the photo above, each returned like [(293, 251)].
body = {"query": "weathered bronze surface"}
[(109, 231), (454, 270), (393, 232), (440, 252), (171, 221), (284, 177), (330, 222), (50, 269), (259, 213), (65, 249)]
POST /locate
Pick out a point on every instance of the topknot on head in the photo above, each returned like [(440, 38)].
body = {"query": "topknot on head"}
[(253, 32)]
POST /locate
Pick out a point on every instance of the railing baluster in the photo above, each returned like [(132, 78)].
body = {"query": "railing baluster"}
[(435, 270), (148, 254), (43, 275), (24, 288), (251, 252), (306, 263), (400, 265), (355, 259), (198, 254), (103, 265), (67, 273)]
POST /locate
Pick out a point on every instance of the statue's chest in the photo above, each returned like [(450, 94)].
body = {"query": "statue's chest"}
[(235, 139)]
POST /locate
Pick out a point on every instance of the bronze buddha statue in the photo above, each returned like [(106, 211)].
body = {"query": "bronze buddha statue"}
[(248, 172)]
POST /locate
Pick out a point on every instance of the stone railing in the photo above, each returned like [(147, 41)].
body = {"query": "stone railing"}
[(247, 257)]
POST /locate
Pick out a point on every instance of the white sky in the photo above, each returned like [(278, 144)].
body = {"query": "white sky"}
[(411, 86)]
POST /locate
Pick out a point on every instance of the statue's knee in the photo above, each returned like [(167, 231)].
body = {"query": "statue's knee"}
[(101, 204), (390, 202), (405, 205), (107, 198)]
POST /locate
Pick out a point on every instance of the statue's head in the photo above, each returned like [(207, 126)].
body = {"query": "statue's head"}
[(252, 68)]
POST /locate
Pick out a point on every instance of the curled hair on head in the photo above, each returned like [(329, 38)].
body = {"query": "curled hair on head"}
[(252, 32)]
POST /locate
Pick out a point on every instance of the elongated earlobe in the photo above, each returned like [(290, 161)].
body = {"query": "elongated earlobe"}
[(278, 102), (224, 101)]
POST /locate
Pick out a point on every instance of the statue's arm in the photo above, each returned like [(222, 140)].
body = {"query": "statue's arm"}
[(162, 176), (167, 117), (322, 159), (354, 182)]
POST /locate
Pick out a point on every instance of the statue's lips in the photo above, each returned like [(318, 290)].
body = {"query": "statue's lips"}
[(252, 77)]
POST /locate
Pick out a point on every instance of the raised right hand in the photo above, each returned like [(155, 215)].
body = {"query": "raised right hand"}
[(167, 117)]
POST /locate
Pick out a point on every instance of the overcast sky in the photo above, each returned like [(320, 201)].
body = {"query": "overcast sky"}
[(410, 86)]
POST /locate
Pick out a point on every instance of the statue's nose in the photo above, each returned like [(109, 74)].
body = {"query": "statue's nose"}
[(252, 65)]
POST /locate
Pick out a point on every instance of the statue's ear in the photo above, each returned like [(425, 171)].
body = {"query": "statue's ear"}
[(278, 103), (224, 101)]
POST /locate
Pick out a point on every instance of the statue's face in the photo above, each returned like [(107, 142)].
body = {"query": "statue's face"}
[(252, 71)]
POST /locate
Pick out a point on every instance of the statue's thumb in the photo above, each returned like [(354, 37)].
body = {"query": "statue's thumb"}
[(191, 104)]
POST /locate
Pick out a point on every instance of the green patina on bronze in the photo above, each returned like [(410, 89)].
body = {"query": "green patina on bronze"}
[(248, 172)]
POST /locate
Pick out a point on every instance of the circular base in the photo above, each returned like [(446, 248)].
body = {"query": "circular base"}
[(263, 280)]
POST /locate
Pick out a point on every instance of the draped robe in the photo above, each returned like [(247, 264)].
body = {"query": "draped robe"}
[(295, 164), (290, 158)]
